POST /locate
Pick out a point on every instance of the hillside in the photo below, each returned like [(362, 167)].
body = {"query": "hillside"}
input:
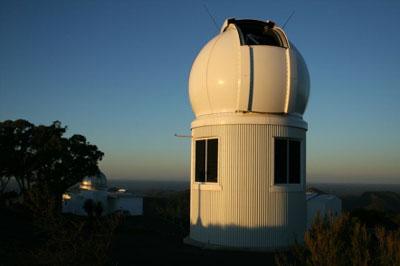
[(373, 200)]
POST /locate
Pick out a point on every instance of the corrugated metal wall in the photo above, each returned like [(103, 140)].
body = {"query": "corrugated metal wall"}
[(245, 209)]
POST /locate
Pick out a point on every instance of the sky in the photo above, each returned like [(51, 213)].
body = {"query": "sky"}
[(117, 72)]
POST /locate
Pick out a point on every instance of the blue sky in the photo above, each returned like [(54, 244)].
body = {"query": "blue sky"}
[(117, 72)]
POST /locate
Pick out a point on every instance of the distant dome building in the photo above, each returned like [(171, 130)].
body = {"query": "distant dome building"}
[(249, 88), (322, 204), (95, 188), (95, 182)]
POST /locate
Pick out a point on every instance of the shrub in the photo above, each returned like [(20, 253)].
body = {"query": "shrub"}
[(344, 240), (98, 209), (172, 208), (388, 251), (68, 239), (88, 207)]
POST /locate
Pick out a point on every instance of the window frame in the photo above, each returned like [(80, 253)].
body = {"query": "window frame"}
[(281, 187), (207, 185)]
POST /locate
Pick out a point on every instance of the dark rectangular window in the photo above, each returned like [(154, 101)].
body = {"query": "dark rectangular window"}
[(280, 161), (287, 161), (200, 150), (294, 162), (206, 161), (212, 160)]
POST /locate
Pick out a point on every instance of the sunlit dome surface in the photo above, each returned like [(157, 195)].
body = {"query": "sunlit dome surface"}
[(96, 182), (250, 66)]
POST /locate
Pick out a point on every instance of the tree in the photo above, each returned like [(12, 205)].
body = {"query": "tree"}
[(98, 209), (89, 207), (4, 180), (15, 152), (64, 240), (41, 156)]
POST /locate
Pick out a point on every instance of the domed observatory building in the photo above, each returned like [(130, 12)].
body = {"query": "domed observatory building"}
[(248, 88), (91, 187), (95, 188)]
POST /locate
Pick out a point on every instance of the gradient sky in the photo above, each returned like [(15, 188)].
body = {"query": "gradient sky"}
[(117, 72)]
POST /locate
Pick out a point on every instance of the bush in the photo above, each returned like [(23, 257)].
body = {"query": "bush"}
[(172, 208), (93, 208), (388, 251), (344, 240), (68, 239)]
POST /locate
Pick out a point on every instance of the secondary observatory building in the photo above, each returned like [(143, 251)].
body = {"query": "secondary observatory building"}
[(248, 88)]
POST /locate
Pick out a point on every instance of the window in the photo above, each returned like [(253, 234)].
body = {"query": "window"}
[(294, 162), (200, 160), (280, 161), (287, 161), (206, 161)]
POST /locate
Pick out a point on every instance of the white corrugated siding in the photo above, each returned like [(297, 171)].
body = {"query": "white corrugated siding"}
[(247, 211)]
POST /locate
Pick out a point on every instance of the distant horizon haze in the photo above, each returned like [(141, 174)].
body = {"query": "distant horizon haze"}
[(310, 180)]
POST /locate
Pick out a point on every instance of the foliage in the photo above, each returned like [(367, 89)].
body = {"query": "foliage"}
[(388, 247), (4, 180), (98, 209), (172, 208), (88, 206), (42, 156), (344, 240), (68, 240), (93, 208)]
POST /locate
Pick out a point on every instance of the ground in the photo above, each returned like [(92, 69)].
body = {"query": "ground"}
[(144, 241)]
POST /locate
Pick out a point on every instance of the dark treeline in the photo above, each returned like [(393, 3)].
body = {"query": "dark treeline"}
[(45, 163), (41, 157)]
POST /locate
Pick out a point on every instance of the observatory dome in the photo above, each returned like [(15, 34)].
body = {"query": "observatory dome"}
[(95, 182), (250, 66)]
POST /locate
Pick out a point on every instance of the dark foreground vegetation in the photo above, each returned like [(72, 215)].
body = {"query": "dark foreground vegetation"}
[(33, 233), (30, 235), (344, 240)]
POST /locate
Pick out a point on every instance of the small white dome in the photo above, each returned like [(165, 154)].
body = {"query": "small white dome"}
[(95, 182), (249, 67)]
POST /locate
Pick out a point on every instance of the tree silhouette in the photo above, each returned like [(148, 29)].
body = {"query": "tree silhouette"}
[(41, 156), (89, 207), (98, 209), (16, 153), (4, 180)]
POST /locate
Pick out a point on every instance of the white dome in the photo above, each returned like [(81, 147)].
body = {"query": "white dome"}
[(249, 67), (95, 182)]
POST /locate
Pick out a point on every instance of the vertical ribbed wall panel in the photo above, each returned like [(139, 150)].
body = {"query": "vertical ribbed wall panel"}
[(245, 209)]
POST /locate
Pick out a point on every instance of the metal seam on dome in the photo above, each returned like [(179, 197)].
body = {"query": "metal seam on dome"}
[(208, 61), (288, 81), (239, 75), (250, 104)]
